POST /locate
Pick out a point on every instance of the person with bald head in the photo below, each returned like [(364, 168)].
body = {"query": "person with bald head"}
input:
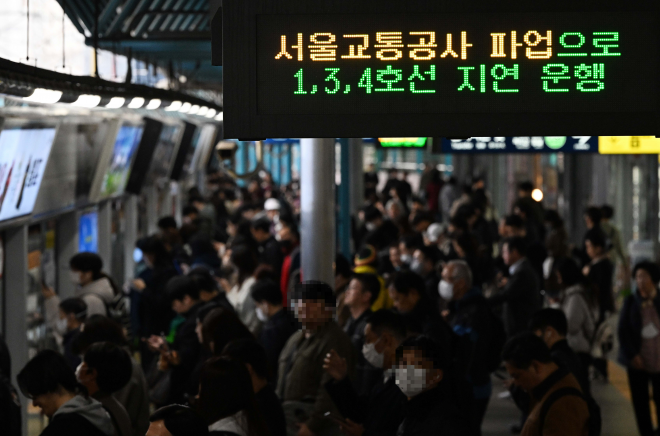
[(471, 319)]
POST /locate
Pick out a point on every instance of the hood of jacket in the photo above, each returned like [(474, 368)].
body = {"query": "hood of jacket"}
[(89, 409), (100, 287)]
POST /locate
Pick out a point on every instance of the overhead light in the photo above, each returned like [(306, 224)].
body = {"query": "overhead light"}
[(203, 111), (154, 104), (185, 108), (537, 195), (194, 110), (174, 106), (87, 100), (219, 117), (211, 113), (41, 95), (116, 103), (136, 103)]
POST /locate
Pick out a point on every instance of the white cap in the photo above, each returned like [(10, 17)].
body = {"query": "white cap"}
[(272, 204), (434, 231)]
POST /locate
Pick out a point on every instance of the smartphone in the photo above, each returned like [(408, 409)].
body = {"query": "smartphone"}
[(335, 418)]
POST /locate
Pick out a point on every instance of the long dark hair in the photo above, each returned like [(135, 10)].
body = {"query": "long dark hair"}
[(245, 260), (226, 389), (221, 326)]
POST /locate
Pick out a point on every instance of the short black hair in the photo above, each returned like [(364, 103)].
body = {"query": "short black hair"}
[(181, 420), (422, 216), (597, 237), (180, 286), (167, 222), (526, 186), (430, 253), (75, 306), (86, 262), (190, 210), (315, 290), (48, 372), (570, 272), (412, 241), (517, 243), (268, 291), (203, 278), (393, 322), (553, 217), (549, 317), (370, 283), (404, 281), (112, 364), (431, 350), (514, 221), (524, 348), (248, 351), (372, 213), (99, 328), (607, 211), (342, 266), (651, 268), (594, 213), (262, 224)]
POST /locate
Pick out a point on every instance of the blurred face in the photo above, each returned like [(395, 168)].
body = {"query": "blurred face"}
[(509, 256), (460, 287), (183, 306), (588, 222), (593, 250), (157, 428), (47, 403), (395, 257), (312, 314), (526, 379), (272, 214), (416, 358), (645, 285), (403, 303), (355, 295), (198, 331), (394, 211)]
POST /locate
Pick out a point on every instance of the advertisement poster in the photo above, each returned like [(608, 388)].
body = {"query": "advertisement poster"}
[(114, 180), (88, 234), (23, 158)]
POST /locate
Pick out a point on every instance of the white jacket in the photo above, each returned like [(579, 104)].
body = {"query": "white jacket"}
[(581, 319), (244, 304)]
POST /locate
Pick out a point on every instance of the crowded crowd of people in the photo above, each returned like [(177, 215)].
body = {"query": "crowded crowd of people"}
[(220, 332)]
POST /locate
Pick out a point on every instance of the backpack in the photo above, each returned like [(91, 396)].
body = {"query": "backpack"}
[(496, 344), (117, 309), (595, 420)]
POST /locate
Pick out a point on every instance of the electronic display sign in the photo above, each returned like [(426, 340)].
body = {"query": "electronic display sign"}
[(338, 69), (402, 142), (521, 144)]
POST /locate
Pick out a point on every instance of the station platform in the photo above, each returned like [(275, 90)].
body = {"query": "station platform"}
[(613, 398)]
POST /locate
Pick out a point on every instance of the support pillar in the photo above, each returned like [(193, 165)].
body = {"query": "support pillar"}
[(356, 178), (105, 234), (67, 247), (344, 198), (152, 195), (130, 235), (317, 204), (16, 285)]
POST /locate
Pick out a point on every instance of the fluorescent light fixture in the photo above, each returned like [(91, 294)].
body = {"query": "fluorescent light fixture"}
[(185, 108), (154, 104), (174, 106), (87, 100), (219, 117), (116, 103), (41, 95), (136, 103), (203, 111), (194, 110), (211, 113)]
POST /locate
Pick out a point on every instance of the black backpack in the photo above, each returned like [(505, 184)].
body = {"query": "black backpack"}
[(496, 343), (595, 420), (10, 408), (117, 309)]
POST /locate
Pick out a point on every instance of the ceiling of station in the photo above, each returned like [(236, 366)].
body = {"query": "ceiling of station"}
[(170, 33)]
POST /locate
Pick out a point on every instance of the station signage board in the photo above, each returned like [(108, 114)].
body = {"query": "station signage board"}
[(628, 145), (341, 68), (521, 144)]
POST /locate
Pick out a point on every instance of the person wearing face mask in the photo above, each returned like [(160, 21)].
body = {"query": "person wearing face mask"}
[(92, 285), (407, 247), (639, 339), (380, 412), (381, 232), (471, 319), (73, 312), (423, 373), (278, 323), (361, 294), (424, 261), (558, 405), (105, 369)]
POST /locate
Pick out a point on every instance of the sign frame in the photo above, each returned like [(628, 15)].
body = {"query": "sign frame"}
[(239, 53)]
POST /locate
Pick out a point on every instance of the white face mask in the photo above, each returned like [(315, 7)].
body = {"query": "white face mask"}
[(372, 356), (417, 267), (261, 315), (75, 277), (411, 380), (61, 326), (370, 226), (406, 258), (446, 290)]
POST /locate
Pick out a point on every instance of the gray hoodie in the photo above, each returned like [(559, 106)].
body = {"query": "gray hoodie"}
[(91, 410), (102, 292)]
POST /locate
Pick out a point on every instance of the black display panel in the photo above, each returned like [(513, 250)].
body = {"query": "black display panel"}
[(340, 68), (186, 148), (145, 152)]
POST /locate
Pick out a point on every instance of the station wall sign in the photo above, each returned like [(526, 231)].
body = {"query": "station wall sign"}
[(346, 68), (628, 145), (522, 144)]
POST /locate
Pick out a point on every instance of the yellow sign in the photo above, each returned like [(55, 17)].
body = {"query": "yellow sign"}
[(628, 145)]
